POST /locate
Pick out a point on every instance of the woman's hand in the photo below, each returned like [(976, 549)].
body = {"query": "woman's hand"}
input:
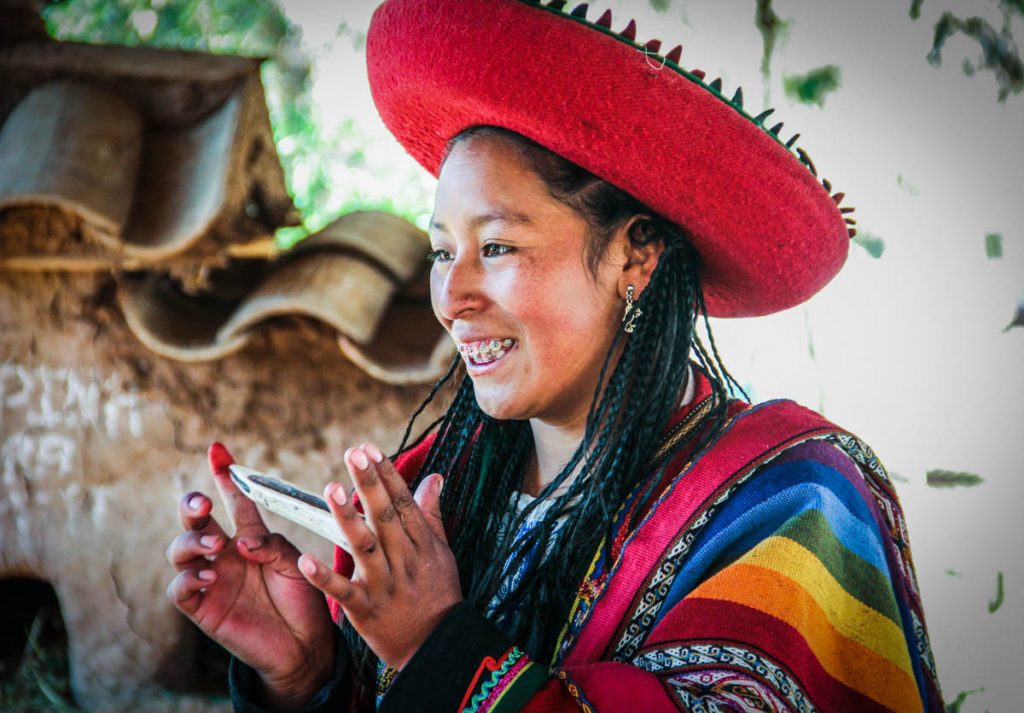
[(405, 579), (246, 593)]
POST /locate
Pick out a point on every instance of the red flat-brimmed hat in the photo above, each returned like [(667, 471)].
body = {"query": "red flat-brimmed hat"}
[(770, 233)]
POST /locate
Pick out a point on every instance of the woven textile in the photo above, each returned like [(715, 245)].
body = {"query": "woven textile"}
[(773, 574)]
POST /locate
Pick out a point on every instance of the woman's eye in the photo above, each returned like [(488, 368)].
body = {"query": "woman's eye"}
[(439, 256), (494, 249)]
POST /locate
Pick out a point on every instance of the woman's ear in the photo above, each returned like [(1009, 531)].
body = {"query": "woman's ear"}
[(642, 252)]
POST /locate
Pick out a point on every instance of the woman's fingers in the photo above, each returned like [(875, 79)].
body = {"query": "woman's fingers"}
[(366, 547), (272, 550), (185, 590), (188, 547), (404, 503), (194, 510), (428, 498), (242, 511), (381, 511), (350, 595)]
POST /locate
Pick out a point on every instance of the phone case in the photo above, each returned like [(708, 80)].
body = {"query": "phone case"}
[(289, 501)]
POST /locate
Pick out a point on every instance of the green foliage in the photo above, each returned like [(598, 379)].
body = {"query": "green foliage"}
[(961, 697), (660, 5), (906, 185), (300, 144), (994, 245), (248, 27), (872, 243), (915, 9), (771, 28), (813, 87), (995, 603), (952, 478), (999, 52)]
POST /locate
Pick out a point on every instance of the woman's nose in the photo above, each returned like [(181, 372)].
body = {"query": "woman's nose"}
[(457, 289)]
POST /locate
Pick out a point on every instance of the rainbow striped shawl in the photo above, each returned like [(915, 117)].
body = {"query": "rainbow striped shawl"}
[(772, 574)]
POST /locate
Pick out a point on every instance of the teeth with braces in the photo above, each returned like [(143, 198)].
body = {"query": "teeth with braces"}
[(486, 351)]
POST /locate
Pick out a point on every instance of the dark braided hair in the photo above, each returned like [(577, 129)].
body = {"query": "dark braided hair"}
[(485, 459)]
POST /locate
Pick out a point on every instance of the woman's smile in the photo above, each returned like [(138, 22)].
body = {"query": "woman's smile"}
[(480, 354), (532, 322)]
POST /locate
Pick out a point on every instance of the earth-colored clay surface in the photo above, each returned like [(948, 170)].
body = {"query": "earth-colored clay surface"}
[(99, 439)]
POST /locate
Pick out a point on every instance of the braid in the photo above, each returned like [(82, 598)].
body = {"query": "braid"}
[(363, 657), (485, 460), (724, 376), (624, 427), (404, 445)]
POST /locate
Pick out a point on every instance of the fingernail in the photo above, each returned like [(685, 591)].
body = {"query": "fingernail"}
[(194, 502), (308, 566), (207, 575), (251, 543), (359, 459), (374, 452), (219, 458), (208, 541), (438, 484), (339, 495)]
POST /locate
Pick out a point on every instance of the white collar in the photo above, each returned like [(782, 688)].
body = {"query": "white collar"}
[(691, 387)]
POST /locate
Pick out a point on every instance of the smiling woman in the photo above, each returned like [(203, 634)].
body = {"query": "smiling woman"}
[(505, 253), (598, 521)]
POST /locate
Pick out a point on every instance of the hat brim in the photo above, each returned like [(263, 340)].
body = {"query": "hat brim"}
[(768, 233)]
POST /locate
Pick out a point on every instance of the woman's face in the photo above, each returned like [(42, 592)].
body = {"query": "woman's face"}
[(510, 284)]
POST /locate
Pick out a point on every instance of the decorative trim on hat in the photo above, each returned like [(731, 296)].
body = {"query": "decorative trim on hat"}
[(651, 50)]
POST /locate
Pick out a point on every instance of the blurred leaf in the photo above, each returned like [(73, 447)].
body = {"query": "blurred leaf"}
[(958, 702), (915, 9), (247, 27), (660, 5), (998, 50), (872, 243), (953, 478), (287, 237), (994, 245), (994, 604), (812, 88), (906, 185), (771, 28), (953, 573), (1018, 318), (896, 477)]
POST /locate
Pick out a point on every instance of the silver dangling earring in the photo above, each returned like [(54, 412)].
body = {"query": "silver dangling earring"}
[(632, 311)]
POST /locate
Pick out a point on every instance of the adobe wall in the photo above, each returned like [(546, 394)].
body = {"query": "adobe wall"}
[(99, 438)]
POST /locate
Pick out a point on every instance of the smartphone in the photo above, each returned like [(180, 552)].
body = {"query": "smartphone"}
[(289, 501)]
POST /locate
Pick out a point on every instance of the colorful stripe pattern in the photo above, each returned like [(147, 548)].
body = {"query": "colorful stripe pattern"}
[(512, 680), (804, 544), (773, 574)]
